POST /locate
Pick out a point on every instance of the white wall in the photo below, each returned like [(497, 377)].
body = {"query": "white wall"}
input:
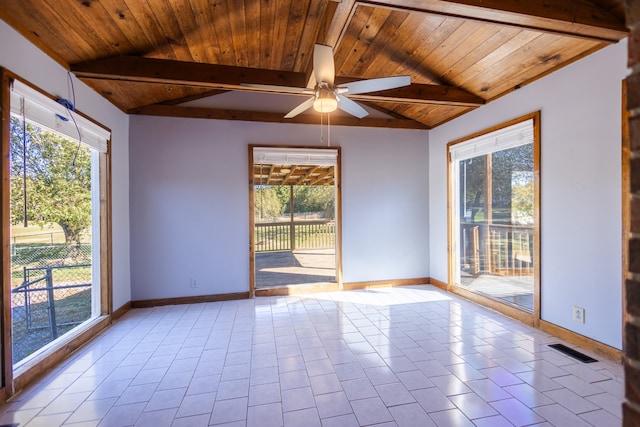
[(580, 188), (24, 59), (190, 198)]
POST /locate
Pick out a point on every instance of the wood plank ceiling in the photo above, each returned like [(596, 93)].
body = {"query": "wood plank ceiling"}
[(157, 56)]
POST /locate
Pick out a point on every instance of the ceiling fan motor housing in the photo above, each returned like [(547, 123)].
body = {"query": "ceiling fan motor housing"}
[(326, 100)]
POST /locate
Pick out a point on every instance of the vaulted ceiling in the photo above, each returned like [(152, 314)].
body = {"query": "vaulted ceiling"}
[(189, 58)]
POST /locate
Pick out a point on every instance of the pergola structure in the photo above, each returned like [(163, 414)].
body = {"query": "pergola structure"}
[(271, 174)]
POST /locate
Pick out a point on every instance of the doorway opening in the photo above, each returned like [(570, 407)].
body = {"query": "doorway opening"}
[(295, 221)]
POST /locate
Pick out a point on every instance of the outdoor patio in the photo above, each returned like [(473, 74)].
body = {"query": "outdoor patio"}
[(304, 266)]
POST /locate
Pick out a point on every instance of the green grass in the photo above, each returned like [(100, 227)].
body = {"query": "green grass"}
[(47, 234)]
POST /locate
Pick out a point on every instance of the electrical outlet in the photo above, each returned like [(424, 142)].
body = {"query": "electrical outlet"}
[(194, 283), (578, 314)]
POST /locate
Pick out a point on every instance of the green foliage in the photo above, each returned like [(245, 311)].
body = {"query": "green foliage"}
[(316, 198), (522, 203), (309, 198), (284, 195), (306, 198), (267, 205), (512, 178), (58, 189)]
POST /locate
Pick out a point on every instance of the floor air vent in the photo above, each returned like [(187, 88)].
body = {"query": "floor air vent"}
[(573, 353)]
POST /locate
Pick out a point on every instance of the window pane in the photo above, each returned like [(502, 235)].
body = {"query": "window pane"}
[(51, 236), (495, 214)]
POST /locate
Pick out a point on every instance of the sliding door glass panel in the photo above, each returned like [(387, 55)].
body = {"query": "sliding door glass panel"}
[(55, 230), (494, 218)]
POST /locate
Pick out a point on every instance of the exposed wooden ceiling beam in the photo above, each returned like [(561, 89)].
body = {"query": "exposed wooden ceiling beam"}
[(328, 174), (189, 98), (249, 116), (339, 20), (290, 175), (272, 171), (310, 33), (263, 173), (579, 18), (328, 22), (309, 174), (137, 69), (421, 94), (183, 73)]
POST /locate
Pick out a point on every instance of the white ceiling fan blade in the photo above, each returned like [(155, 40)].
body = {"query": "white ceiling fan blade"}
[(374, 85), (351, 107), (324, 69), (278, 89), (312, 81), (300, 108)]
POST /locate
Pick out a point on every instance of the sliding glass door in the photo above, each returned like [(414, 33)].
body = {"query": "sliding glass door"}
[(57, 210), (494, 216)]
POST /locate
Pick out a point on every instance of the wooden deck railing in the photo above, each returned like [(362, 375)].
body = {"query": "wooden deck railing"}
[(287, 236), (497, 249)]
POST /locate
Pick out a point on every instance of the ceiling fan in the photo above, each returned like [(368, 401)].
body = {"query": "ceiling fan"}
[(327, 97)]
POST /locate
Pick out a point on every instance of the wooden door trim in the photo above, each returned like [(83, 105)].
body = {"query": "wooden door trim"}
[(338, 189), (504, 308), (14, 380)]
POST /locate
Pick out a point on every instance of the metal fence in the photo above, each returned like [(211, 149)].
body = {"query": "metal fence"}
[(287, 236), (51, 294)]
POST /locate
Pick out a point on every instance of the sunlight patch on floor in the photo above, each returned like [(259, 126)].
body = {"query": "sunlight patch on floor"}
[(386, 296)]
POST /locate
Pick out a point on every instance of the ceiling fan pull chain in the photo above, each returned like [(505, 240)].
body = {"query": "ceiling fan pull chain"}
[(321, 135), (328, 129)]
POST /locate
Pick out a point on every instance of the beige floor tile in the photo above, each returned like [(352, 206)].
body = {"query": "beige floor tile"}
[(406, 356)]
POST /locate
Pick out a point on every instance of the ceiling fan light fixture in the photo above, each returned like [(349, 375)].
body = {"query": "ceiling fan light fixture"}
[(325, 102), (327, 97)]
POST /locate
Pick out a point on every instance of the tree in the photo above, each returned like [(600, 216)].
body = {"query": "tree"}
[(510, 168), (266, 203), (57, 177), (507, 169), (522, 202), (284, 196), (320, 198), (309, 198)]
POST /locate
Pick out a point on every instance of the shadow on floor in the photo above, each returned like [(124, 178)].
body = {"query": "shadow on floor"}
[(274, 269)]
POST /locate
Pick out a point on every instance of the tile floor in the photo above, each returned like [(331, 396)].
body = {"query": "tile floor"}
[(411, 356)]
